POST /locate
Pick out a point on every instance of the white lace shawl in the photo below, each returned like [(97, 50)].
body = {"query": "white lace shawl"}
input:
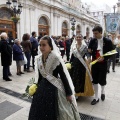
[(51, 63), (73, 46)]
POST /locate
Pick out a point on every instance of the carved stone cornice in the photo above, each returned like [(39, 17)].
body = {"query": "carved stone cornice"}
[(57, 5), (56, 14), (83, 22)]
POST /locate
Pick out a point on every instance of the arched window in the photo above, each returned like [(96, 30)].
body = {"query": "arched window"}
[(87, 32), (5, 13), (78, 29), (43, 21), (43, 27), (64, 25), (87, 29), (64, 29)]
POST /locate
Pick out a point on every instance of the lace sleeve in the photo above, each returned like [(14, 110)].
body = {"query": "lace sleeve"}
[(64, 79)]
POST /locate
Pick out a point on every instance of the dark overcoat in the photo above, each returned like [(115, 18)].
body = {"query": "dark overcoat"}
[(6, 53)]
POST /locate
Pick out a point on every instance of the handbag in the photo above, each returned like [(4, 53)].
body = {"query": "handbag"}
[(25, 59)]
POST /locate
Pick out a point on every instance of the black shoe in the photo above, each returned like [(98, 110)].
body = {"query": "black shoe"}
[(10, 74), (29, 71), (113, 70), (94, 102), (108, 71), (18, 74), (102, 97), (22, 73), (7, 79), (77, 98), (25, 69)]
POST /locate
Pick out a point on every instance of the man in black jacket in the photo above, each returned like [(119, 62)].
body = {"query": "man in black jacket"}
[(34, 50), (68, 45), (6, 57), (98, 46)]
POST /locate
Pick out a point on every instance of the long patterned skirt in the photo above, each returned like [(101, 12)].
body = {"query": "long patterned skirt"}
[(81, 79), (44, 104), (49, 103)]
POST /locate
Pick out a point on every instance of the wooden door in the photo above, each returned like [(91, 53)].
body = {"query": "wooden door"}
[(8, 27), (64, 32), (43, 30)]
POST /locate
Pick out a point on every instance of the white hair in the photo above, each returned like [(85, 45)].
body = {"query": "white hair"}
[(67, 37), (16, 40), (3, 35)]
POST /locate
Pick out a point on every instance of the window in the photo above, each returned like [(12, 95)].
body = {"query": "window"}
[(43, 21), (5, 13), (64, 25)]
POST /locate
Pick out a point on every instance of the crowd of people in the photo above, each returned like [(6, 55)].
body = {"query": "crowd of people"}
[(55, 83), (21, 50)]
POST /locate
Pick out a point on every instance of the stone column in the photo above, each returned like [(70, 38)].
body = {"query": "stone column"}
[(55, 25), (83, 29), (51, 26)]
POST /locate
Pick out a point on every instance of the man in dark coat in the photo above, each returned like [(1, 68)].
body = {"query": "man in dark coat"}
[(98, 46), (73, 37), (68, 44), (34, 50), (6, 57), (10, 41), (62, 46)]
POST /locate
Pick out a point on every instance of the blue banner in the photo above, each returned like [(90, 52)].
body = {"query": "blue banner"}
[(112, 22)]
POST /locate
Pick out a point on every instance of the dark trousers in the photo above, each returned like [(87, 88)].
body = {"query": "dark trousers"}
[(34, 53), (28, 56), (6, 71), (99, 72), (9, 71), (62, 53), (67, 54), (33, 60), (113, 60)]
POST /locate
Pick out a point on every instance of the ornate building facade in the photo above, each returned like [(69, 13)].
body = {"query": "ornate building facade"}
[(51, 17)]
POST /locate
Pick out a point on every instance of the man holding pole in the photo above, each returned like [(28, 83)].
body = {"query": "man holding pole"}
[(98, 46)]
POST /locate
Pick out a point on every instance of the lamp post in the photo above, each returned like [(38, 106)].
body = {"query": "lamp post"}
[(114, 7), (17, 9), (73, 21)]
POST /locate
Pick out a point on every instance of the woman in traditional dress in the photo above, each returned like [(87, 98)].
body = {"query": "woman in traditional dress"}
[(80, 72), (54, 99)]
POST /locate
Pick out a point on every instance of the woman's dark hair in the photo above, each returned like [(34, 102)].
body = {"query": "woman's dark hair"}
[(48, 39), (25, 37), (84, 37)]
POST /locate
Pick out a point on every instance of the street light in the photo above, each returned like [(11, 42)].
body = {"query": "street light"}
[(14, 3), (114, 7), (17, 9), (73, 21), (8, 3)]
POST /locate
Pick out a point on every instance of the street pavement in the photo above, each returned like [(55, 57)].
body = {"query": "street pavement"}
[(108, 110)]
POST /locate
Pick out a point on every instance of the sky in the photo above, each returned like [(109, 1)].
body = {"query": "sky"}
[(97, 2)]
